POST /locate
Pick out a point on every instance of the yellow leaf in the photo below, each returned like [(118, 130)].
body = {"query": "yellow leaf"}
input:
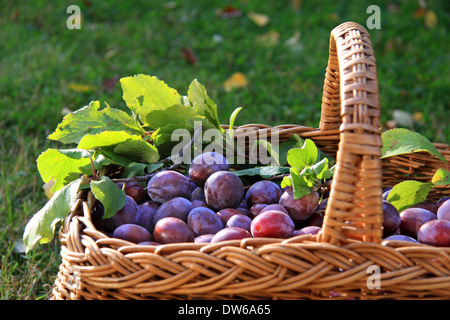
[(418, 116), (431, 19), (237, 80), (269, 38), (78, 87), (259, 19)]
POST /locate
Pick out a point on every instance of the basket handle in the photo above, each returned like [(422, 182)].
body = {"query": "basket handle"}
[(351, 103)]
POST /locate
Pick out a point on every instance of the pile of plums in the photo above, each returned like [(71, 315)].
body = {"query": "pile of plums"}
[(210, 204), (425, 222)]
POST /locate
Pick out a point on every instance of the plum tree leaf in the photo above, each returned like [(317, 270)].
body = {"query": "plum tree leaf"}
[(144, 94), (138, 149), (301, 186), (265, 171), (203, 105), (402, 141), (441, 178), (63, 166), (131, 146), (409, 192), (109, 194), (320, 170), (91, 120), (104, 139), (176, 114), (305, 156), (41, 227)]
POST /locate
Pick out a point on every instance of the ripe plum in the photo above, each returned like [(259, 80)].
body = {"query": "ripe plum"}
[(307, 230), (401, 237), (274, 224), (128, 214), (203, 220), (263, 191), (136, 190), (412, 219), (206, 164), (240, 221), (274, 206), (133, 233), (435, 233), (391, 219), (204, 238), (443, 212), (146, 213), (172, 230), (168, 184), (177, 207), (299, 209), (226, 214), (223, 189), (256, 209), (232, 233)]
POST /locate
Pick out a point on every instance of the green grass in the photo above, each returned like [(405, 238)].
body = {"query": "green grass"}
[(40, 58)]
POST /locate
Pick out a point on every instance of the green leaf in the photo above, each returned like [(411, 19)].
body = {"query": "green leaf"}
[(163, 136), (138, 149), (132, 146), (91, 120), (294, 142), (286, 182), (307, 155), (134, 169), (41, 227), (402, 141), (109, 194), (407, 193), (232, 120), (144, 94), (441, 178), (203, 105), (320, 170), (105, 139), (265, 172), (176, 114), (301, 186), (63, 166)]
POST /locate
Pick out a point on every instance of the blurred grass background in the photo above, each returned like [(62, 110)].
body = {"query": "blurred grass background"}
[(47, 70)]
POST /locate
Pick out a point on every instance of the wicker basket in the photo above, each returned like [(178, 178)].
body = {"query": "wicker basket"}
[(335, 264)]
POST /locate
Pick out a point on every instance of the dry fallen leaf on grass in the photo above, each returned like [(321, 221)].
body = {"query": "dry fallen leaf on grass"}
[(79, 87), (188, 55), (259, 19), (237, 80), (228, 12), (431, 19)]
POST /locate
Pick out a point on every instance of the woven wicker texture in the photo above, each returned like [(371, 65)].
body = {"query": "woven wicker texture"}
[(335, 264)]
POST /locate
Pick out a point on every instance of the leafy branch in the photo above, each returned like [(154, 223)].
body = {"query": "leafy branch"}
[(103, 137)]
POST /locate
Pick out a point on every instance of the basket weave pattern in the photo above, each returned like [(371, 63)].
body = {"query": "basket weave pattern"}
[(332, 265)]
